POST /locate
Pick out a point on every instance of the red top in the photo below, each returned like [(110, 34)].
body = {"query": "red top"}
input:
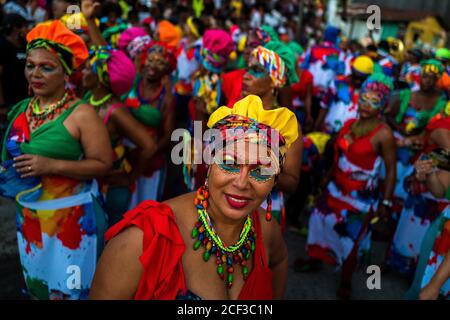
[(360, 152), (232, 86), (299, 89), (163, 248)]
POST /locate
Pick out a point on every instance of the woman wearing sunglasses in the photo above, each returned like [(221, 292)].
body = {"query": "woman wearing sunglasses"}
[(213, 243), (339, 229)]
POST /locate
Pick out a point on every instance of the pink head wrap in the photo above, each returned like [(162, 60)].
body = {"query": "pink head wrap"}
[(217, 46), (129, 35), (122, 72)]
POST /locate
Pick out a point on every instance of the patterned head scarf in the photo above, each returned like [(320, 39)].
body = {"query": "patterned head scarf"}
[(55, 37), (377, 86), (113, 69), (136, 45), (169, 34), (432, 66), (273, 64), (254, 124)]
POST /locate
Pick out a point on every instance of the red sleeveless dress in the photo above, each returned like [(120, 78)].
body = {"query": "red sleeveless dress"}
[(163, 247)]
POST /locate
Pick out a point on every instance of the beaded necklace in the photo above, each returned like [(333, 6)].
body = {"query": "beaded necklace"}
[(38, 116), (207, 237), (98, 104)]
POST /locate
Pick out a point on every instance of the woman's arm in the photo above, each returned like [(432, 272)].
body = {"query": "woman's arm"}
[(431, 291), (290, 175), (168, 124), (127, 126), (88, 8), (119, 269), (388, 152), (85, 126), (438, 183), (277, 257)]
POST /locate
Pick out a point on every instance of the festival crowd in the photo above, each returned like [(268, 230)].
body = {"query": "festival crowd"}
[(91, 92)]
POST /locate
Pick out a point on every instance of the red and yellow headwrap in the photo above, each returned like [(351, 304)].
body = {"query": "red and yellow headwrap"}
[(272, 62), (55, 37), (255, 124)]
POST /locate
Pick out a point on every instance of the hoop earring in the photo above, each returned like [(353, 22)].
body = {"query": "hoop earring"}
[(269, 208)]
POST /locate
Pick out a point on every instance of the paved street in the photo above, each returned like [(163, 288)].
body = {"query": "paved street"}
[(320, 285)]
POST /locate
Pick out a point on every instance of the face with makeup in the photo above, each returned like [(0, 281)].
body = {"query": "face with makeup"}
[(90, 79), (369, 105), (155, 66), (239, 182), (428, 81), (44, 72), (256, 80)]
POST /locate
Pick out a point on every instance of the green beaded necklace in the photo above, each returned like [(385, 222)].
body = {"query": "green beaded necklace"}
[(97, 104), (207, 237)]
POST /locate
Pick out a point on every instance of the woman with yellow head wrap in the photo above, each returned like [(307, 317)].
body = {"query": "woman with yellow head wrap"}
[(194, 256)]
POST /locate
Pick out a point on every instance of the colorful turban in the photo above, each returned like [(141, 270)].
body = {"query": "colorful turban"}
[(169, 34), (270, 32), (166, 50), (380, 85), (113, 69), (331, 34), (129, 35), (55, 37), (289, 58), (249, 115), (112, 34), (363, 64), (432, 66), (190, 23), (443, 54), (216, 48), (272, 63), (136, 45)]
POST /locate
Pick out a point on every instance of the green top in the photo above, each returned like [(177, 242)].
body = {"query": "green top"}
[(51, 140), (447, 194), (423, 116)]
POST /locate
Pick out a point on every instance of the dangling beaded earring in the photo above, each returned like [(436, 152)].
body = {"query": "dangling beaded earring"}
[(202, 196), (269, 208)]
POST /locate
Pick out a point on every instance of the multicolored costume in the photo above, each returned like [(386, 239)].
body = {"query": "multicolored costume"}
[(336, 222), (60, 223)]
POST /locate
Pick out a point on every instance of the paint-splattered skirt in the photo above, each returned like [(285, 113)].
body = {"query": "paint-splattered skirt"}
[(60, 227)]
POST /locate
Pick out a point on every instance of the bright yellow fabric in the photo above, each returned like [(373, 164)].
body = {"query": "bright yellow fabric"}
[(281, 119)]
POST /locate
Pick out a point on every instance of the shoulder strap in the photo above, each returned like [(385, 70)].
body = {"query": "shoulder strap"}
[(260, 253), (110, 111), (67, 113), (405, 97)]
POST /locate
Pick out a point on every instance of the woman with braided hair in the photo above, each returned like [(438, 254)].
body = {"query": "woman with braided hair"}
[(213, 243), (50, 139)]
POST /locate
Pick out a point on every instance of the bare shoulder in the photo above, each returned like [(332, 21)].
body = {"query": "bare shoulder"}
[(183, 209), (385, 132), (84, 112), (128, 241)]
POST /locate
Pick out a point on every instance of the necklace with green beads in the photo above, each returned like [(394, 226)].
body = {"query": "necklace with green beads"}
[(97, 104), (38, 116), (226, 256)]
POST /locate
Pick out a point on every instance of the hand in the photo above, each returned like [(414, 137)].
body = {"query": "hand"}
[(430, 292), (383, 213), (30, 165), (88, 8), (423, 169)]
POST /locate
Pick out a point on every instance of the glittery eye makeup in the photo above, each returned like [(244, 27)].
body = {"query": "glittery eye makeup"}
[(230, 165)]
